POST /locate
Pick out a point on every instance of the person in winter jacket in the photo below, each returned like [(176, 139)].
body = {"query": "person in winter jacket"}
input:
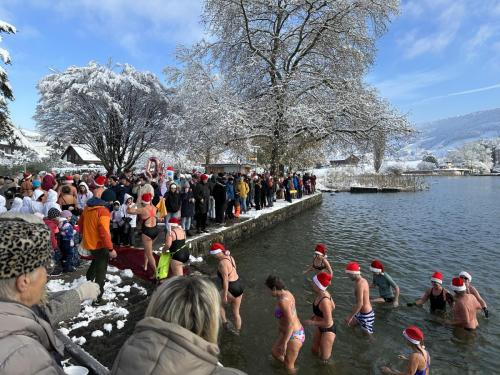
[(187, 207), (27, 341), (66, 241), (230, 197), (16, 206), (129, 221), (242, 190), (51, 202), (178, 334), (201, 195), (84, 194), (116, 223), (172, 202), (96, 239), (219, 194)]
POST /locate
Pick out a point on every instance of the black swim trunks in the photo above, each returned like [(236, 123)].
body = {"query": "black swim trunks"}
[(151, 232), (332, 329)]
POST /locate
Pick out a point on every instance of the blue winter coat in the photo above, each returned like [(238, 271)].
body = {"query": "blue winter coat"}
[(230, 191)]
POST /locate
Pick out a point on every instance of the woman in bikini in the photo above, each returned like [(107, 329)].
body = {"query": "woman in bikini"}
[(175, 242), (323, 307), (419, 360), (67, 200), (319, 262), (232, 288), (149, 230), (290, 331)]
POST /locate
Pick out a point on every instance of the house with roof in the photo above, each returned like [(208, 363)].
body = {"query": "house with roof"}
[(351, 160), (79, 155)]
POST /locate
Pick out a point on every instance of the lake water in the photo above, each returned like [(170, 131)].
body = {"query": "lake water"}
[(452, 227)]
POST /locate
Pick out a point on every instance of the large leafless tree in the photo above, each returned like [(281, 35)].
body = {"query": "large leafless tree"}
[(117, 115), (299, 66)]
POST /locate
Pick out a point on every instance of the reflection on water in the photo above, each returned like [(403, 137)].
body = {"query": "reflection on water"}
[(454, 226)]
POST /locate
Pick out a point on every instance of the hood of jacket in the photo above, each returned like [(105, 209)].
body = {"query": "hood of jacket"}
[(18, 319), (2, 201), (17, 204), (126, 197), (159, 347), (86, 187), (94, 202)]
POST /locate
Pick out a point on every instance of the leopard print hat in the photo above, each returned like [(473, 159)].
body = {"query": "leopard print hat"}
[(24, 245)]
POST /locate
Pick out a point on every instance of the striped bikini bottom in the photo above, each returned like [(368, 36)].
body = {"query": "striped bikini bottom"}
[(366, 321)]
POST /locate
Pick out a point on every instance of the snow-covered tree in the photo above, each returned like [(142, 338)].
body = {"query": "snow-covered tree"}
[(379, 144), (118, 114), (475, 155), (5, 88), (299, 66), (209, 109)]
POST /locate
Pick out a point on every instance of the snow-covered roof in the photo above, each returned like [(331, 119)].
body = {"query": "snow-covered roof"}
[(85, 154)]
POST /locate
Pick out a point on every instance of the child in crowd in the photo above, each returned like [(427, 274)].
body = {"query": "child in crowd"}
[(52, 222), (129, 221), (66, 241), (116, 223)]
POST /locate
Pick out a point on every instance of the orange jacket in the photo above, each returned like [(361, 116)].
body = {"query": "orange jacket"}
[(94, 227)]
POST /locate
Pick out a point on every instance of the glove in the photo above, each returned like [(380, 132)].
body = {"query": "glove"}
[(88, 290), (486, 312)]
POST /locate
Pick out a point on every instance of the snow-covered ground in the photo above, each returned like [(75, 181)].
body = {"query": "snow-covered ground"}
[(117, 289)]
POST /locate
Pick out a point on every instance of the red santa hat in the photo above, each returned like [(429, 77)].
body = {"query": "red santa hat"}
[(458, 284), (217, 248), (353, 268), (414, 335), (322, 280), (100, 181), (147, 197), (170, 168), (466, 275), (27, 175), (174, 220), (377, 266), (437, 277), (320, 249), (68, 180), (204, 177)]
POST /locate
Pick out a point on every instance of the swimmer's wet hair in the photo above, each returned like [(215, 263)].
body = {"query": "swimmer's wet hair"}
[(192, 302), (275, 283)]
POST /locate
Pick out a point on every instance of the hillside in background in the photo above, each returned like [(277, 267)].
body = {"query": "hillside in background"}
[(439, 137)]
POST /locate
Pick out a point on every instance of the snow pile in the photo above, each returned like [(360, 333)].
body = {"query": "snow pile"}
[(127, 273), (108, 327), (120, 324), (193, 259), (97, 333), (79, 340)]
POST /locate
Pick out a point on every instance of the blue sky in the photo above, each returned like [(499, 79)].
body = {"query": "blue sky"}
[(439, 58)]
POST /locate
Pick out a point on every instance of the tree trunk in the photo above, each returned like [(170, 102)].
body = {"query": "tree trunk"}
[(208, 157)]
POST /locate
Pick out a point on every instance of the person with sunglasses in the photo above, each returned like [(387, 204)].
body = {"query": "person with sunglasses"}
[(467, 278), (437, 295)]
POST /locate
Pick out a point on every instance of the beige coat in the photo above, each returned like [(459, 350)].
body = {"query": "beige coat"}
[(25, 342), (158, 348)]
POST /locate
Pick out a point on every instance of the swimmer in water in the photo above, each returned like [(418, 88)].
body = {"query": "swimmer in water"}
[(419, 360), (388, 289), (437, 295), (319, 262), (362, 312), (465, 306), (291, 334), (323, 307), (472, 290), (232, 288)]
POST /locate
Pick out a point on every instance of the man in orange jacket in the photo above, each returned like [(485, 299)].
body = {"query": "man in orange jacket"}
[(96, 238)]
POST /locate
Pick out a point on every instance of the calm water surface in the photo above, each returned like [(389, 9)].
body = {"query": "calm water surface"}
[(453, 226)]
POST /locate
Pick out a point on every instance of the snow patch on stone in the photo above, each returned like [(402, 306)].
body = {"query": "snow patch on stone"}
[(97, 333)]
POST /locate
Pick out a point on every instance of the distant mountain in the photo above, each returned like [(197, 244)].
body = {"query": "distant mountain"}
[(440, 136)]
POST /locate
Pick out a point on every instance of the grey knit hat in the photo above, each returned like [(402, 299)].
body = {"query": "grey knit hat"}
[(25, 245), (53, 213)]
